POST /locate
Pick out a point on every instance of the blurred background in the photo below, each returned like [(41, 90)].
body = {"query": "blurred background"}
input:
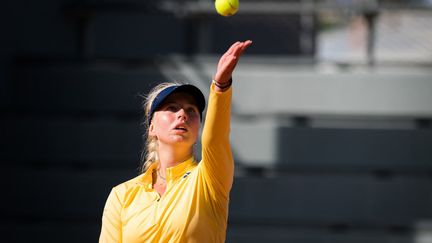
[(331, 121)]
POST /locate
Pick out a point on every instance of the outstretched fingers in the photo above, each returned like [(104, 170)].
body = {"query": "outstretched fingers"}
[(233, 47), (237, 50), (245, 45)]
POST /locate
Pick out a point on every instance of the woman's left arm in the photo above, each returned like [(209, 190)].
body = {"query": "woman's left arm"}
[(217, 160)]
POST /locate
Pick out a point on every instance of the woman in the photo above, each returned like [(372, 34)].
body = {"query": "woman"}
[(176, 199)]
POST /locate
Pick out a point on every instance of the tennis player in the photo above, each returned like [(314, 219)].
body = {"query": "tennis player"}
[(176, 198)]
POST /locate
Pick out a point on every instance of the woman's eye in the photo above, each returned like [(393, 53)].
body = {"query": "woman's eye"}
[(192, 111), (173, 108)]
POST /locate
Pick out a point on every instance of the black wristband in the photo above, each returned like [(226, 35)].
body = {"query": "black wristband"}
[(223, 86)]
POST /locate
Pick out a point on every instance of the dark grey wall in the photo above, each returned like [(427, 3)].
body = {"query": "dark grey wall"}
[(71, 76)]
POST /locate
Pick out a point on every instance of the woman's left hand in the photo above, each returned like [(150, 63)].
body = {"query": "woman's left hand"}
[(228, 61)]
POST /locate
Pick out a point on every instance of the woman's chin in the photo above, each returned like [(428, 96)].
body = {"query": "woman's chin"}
[(179, 139)]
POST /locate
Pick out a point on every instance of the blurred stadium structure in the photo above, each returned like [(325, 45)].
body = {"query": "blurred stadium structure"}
[(332, 113)]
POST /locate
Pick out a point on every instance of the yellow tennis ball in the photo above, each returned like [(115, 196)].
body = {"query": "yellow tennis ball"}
[(226, 7)]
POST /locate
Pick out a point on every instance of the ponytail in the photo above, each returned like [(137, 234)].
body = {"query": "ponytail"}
[(149, 154)]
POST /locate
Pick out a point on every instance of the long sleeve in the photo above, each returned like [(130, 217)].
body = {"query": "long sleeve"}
[(217, 160), (111, 223)]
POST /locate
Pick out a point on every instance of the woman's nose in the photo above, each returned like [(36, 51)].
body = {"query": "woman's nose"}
[(181, 114)]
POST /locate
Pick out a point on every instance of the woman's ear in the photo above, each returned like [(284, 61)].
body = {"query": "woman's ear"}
[(151, 130)]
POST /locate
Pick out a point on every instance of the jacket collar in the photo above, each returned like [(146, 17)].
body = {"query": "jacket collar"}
[(172, 173)]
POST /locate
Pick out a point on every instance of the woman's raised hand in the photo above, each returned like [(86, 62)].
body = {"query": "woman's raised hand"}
[(228, 61)]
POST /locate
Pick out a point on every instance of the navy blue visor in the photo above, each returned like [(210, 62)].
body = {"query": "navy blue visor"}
[(183, 88)]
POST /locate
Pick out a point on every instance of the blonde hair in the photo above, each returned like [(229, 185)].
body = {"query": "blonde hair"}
[(149, 155)]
